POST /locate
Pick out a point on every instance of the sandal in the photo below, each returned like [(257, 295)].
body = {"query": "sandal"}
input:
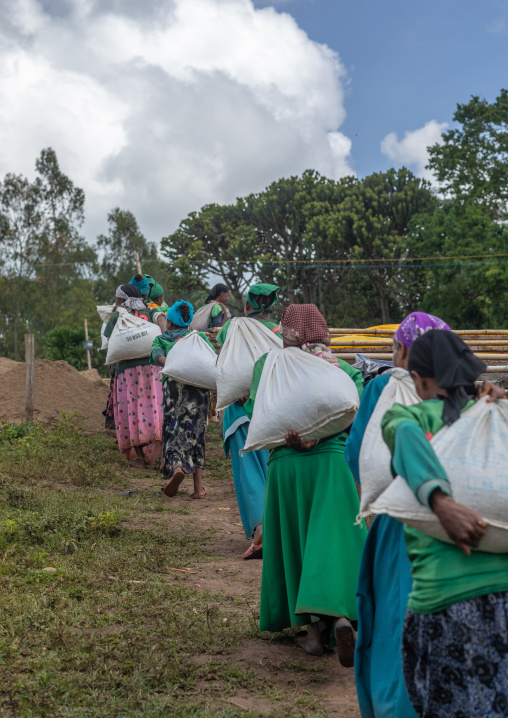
[(201, 494), (345, 639), (173, 484), (254, 551)]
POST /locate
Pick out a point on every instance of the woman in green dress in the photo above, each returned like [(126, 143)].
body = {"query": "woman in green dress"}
[(312, 549), (455, 637), (250, 469)]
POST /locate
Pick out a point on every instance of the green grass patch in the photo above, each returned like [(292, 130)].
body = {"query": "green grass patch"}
[(92, 620)]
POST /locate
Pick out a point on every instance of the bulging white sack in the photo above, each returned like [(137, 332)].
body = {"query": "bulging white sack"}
[(105, 311), (474, 454), (375, 460), (192, 361), (104, 338), (132, 338), (300, 392), (246, 342)]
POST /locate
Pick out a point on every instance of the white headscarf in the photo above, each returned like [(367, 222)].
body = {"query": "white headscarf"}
[(130, 302)]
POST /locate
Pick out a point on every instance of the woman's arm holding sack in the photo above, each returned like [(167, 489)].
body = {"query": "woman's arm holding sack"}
[(414, 459)]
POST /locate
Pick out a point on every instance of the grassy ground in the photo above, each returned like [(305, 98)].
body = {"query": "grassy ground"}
[(94, 621)]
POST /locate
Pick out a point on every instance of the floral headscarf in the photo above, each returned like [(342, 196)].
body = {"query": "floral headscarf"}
[(416, 325)]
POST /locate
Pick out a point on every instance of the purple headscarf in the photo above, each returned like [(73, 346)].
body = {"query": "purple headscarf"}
[(416, 325)]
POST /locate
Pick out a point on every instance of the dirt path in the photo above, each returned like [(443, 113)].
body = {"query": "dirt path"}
[(329, 687)]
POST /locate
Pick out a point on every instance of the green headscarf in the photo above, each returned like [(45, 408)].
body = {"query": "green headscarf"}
[(151, 282), (262, 297), (157, 290)]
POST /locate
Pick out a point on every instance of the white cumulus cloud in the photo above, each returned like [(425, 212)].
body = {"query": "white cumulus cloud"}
[(411, 150), (162, 106)]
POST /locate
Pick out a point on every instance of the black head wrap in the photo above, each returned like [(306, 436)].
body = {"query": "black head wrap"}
[(446, 358), (215, 291), (130, 290)]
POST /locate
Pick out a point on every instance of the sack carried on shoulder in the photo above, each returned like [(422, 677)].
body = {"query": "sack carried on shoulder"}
[(105, 311), (201, 319), (474, 454), (375, 459), (246, 342), (104, 338), (132, 338), (300, 392), (192, 361)]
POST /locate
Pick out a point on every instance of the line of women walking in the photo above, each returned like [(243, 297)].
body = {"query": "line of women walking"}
[(432, 616)]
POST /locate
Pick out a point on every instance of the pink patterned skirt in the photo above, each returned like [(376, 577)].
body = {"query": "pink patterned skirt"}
[(137, 406)]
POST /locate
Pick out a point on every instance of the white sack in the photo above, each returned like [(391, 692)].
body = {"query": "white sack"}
[(105, 311), (132, 338), (192, 361), (246, 342), (201, 319), (104, 338), (301, 392), (474, 454), (375, 460)]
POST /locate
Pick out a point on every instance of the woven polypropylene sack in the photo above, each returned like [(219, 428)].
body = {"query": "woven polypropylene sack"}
[(192, 361), (104, 338), (375, 460), (132, 338), (474, 454), (105, 311), (301, 392), (246, 341)]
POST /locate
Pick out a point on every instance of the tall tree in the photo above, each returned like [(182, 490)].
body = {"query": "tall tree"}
[(45, 260), (215, 241), (472, 161), (470, 291), (118, 248), (373, 220)]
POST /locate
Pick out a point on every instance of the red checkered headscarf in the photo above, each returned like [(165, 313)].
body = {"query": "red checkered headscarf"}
[(302, 323)]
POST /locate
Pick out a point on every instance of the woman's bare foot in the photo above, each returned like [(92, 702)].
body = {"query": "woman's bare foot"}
[(312, 643), (199, 487), (173, 484), (258, 535), (345, 639)]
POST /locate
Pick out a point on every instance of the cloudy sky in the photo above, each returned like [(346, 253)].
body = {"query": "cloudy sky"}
[(161, 106)]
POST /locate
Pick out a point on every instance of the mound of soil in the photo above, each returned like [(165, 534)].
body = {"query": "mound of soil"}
[(58, 387)]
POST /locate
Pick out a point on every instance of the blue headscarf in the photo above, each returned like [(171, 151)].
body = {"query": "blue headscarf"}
[(142, 285), (174, 314)]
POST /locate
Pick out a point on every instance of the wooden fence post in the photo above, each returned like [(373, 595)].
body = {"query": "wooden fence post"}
[(88, 350), (29, 361), (138, 263)]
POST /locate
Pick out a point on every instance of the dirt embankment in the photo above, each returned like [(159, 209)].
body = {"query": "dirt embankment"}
[(58, 387)]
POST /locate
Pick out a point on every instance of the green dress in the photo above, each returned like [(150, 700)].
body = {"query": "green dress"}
[(442, 573), (311, 546)]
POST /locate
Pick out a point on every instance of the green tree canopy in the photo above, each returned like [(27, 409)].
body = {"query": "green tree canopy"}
[(472, 161)]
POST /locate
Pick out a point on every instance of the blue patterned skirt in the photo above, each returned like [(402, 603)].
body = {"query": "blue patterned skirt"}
[(185, 413), (455, 661)]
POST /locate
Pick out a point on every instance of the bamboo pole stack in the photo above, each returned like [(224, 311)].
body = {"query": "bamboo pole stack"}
[(489, 345)]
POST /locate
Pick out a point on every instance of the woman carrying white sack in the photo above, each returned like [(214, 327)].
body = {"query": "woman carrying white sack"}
[(384, 582), (312, 548), (455, 636), (137, 389), (185, 410), (249, 470)]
